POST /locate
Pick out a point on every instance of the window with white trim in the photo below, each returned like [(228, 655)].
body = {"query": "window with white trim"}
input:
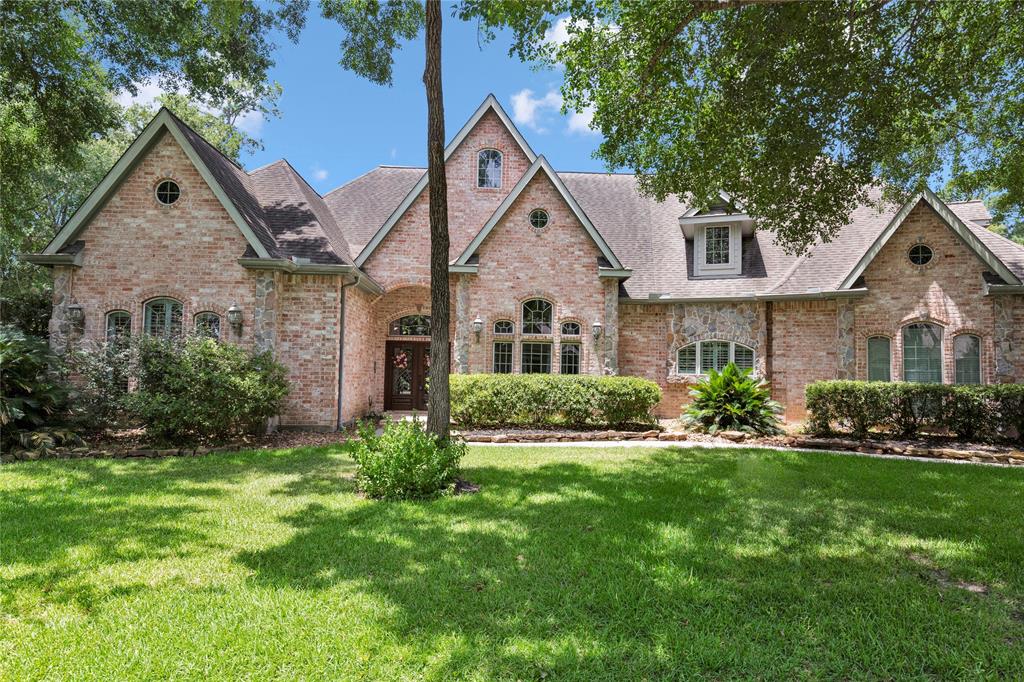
[(504, 328), (879, 358), (569, 362), (703, 356), (502, 357), (163, 318), (536, 358), (717, 250), (537, 316), (488, 168), (570, 329), (119, 324), (967, 356), (208, 324), (922, 353)]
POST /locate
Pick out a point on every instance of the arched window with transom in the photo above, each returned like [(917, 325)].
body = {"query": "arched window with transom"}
[(119, 324), (967, 355), (163, 318), (537, 316), (410, 325), (922, 353), (488, 168), (208, 324)]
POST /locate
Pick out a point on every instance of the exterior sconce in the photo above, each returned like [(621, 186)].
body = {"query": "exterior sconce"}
[(597, 328), (235, 318), (478, 326), (76, 315)]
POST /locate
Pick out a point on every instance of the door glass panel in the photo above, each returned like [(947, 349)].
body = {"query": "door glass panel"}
[(402, 364)]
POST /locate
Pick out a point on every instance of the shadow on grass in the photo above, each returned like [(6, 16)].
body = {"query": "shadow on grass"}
[(680, 562)]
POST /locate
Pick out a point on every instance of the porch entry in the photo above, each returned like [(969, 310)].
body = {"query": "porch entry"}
[(406, 366)]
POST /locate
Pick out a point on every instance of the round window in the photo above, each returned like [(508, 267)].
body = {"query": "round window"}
[(920, 254), (538, 219), (167, 192)]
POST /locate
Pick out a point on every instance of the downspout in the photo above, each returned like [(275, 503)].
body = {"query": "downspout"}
[(341, 343)]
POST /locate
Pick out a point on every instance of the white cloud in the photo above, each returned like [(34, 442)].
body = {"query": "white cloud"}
[(580, 122), (147, 94), (250, 122), (319, 173), (532, 111), (394, 153), (559, 33)]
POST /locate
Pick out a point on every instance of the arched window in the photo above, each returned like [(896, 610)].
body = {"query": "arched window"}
[(488, 168), (879, 358), (163, 318), (570, 329), (536, 316), (967, 354), (922, 353), (410, 325), (504, 327), (208, 324), (119, 324), (703, 356)]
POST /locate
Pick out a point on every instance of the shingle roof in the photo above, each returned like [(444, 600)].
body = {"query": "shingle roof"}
[(646, 236), (287, 215)]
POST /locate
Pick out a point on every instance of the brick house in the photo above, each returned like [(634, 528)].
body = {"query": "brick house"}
[(550, 272)]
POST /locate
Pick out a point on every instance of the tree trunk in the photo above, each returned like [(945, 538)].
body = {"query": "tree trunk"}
[(438, 399)]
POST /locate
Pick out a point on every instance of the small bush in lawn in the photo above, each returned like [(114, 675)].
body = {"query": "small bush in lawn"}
[(733, 400), (199, 388), (405, 461)]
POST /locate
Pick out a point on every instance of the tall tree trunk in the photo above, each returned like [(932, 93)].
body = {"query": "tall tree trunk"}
[(438, 400)]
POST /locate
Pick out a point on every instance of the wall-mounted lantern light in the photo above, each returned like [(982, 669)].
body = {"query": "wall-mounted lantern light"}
[(478, 326), (597, 328), (235, 318), (76, 315)]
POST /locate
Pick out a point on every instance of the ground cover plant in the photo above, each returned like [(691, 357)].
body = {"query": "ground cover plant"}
[(570, 563)]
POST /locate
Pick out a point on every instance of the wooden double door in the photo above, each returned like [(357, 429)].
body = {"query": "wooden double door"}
[(406, 366)]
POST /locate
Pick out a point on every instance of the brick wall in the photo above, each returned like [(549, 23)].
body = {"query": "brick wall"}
[(804, 350), (948, 291), (359, 382), (404, 255)]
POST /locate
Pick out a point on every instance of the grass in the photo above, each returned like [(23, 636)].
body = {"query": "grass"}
[(569, 564)]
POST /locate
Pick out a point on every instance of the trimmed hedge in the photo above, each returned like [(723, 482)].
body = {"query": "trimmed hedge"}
[(907, 409), (551, 400)]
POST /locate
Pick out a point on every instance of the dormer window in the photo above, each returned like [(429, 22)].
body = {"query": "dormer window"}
[(717, 250), (488, 169)]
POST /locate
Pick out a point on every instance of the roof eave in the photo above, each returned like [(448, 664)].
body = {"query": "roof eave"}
[(363, 281), (52, 259), (804, 296)]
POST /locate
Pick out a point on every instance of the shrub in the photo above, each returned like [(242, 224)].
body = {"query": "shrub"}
[(733, 400), (102, 376), (33, 393), (910, 409), (405, 461), (551, 400), (199, 388)]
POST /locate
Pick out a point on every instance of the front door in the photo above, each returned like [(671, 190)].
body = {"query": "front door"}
[(406, 365)]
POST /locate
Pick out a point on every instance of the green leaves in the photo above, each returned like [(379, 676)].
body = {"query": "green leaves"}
[(732, 400), (800, 111), (373, 31), (405, 461)]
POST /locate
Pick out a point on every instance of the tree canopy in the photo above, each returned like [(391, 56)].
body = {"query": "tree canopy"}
[(799, 111)]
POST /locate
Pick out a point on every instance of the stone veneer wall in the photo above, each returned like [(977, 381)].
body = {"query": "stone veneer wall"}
[(1008, 338)]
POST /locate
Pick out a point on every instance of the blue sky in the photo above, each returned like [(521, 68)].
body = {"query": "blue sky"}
[(335, 125)]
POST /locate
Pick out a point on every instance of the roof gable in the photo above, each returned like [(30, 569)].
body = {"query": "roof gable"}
[(163, 121), (540, 165), (966, 235), (490, 103)]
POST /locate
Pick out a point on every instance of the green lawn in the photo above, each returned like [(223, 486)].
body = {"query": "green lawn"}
[(569, 564)]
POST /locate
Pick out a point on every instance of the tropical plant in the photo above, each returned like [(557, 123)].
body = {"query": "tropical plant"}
[(405, 461), (732, 400)]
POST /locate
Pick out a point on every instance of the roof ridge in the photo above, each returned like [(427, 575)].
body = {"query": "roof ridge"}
[(264, 166), (212, 146), (349, 182)]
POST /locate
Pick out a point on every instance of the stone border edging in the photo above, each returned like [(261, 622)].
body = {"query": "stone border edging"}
[(142, 453)]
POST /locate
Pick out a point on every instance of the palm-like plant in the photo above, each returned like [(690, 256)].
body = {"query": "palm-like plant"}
[(733, 400)]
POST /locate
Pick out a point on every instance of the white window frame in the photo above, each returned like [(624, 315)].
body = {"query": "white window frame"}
[(700, 265), (699, 345)]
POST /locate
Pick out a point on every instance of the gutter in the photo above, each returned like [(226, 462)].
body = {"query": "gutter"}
[(51, 259), (809, 296), (299, 267), (1004, 289)]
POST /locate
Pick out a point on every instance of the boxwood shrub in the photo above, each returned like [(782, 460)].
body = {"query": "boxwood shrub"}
[(551, 400), (905, 409)]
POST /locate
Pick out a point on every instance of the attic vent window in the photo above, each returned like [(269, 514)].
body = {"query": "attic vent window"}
[(167, 192), (538, 219), (920, 254)]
